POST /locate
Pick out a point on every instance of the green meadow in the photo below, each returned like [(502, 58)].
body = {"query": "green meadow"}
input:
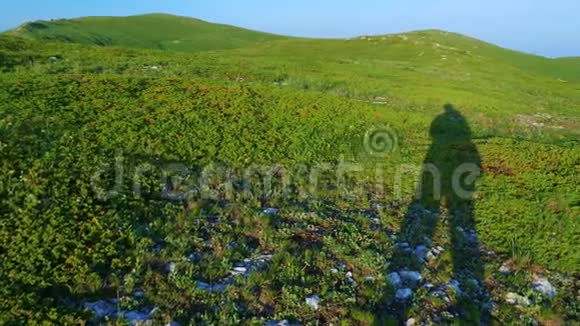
[(172, 170)]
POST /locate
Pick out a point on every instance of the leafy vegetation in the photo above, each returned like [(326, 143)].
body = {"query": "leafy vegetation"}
[(138, 175)]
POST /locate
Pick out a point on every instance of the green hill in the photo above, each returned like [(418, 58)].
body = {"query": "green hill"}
[(152, 31), (134, 181)]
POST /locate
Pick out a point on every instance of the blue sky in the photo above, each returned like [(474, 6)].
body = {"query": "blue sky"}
[(550, 28)]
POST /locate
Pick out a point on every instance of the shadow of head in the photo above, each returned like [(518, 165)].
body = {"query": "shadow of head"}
[(450, 125)]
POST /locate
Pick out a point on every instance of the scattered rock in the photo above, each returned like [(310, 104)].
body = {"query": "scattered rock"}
[(516, 299), (139, 294), (102, 308), (411, 322), (313, 302), (421, 252), (108, 309), (395, 280), (455, 286), (544, 287), (137, 317), (271, 211), (410, 276), (280, 323), (404, 294), (239, 271), (505, 269), (171, 267), (431, 256)]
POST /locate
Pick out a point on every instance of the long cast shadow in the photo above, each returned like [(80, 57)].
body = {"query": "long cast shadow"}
[(445, 194)]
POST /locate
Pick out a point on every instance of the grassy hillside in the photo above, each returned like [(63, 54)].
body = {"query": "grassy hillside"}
[(153, 31), (140, 176)]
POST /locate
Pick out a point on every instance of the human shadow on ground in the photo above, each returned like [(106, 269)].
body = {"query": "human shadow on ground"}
[(446, 267)]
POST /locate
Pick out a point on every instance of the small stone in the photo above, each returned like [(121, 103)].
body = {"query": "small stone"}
[(455, 285), (429, 285), (271, 211), (350, 280), (421, 252), (349, 274), (404, 294), (137, 317), (544, 287), (438, 294), (101, 308), (410, 276), (447, 315), (239, 271), (370, 279), (334, 271), (516, 299), (395, 280), (171, 267), (505, 270), (139, 294), (411, 322), (173, 323), (431, 256), (313, 301), (203, 286)]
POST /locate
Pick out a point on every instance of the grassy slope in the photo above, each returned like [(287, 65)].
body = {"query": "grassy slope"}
[(153, 31), (290, 102)]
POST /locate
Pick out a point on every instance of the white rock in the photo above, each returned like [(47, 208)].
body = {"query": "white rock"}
[(411, 322), (173, 323), (349, 274), (271, 211), (171, 267), (516, 299), (404, 294), (431, 256), (313, 301), (239, 271), (505, 270), (279, 323), (544, 286)]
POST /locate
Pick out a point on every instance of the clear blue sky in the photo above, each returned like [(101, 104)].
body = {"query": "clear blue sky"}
[(550, 28)]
